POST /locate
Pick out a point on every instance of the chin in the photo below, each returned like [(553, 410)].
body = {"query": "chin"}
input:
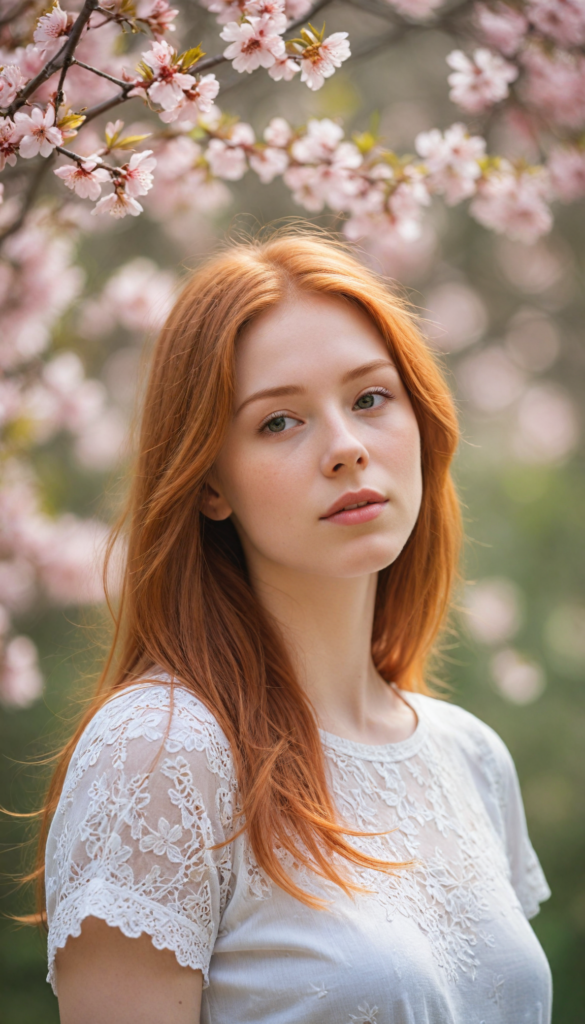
[(361, 558)]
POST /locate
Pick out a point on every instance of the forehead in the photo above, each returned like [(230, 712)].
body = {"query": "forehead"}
[(304, 337)]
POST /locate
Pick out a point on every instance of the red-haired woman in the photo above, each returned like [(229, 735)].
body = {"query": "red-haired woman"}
[(265, 817)]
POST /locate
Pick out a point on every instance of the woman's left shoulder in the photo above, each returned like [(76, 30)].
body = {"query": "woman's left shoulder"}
[(454, 726)]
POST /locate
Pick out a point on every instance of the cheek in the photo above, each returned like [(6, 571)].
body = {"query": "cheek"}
[(262, 488)]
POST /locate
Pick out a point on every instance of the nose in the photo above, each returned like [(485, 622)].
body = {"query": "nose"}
[(343, 451)]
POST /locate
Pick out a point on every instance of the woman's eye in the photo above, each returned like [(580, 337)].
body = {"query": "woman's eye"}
[(371, 400), (279, 424)]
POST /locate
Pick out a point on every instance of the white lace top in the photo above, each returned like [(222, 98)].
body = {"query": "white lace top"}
[(444, 942)]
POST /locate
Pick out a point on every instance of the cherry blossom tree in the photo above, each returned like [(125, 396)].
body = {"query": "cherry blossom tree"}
[(64, 74)]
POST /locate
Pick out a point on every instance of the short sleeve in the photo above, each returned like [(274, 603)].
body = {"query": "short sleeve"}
[(149, 792), (526, 874)]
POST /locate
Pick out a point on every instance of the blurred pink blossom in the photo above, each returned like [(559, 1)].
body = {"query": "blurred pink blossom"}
[(17, 584), (547, 425), (320, 61), (297, 8), (101, 444), (415, 8), (452, 160), (138, 295), (11, 82), (561, 20), (478, 83), (226, 10), (490, 379), (492, 609), (514, 203), (566, 165), (21, 682), (227, 156), (9, 140), (457, 316), (84, 178), (254, 43), (70, 565), (503, 26), (158, 15), (532, 339), (555, 85), (278, 132), (268, 163), (519, 680)]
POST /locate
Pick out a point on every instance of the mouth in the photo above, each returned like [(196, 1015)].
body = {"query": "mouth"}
[(353, 508)]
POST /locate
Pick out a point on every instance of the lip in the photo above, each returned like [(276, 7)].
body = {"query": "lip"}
[(339, 513)]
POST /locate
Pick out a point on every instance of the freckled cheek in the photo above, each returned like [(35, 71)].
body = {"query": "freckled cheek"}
[(263, 492)]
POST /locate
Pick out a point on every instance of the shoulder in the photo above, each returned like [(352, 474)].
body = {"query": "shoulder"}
[(481, 746), (149, 716)]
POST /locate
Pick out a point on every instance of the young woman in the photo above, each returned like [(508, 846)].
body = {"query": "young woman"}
[(265, 817)]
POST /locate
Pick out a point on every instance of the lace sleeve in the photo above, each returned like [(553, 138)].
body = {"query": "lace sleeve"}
[(526, 873), (147, 794)]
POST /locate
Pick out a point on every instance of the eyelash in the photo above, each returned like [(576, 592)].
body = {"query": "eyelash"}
[(370, 391)]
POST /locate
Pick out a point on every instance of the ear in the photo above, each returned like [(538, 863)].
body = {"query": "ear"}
[(213, 504)]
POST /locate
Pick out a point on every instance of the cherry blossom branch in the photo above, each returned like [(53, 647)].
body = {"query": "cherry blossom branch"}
[(71, 45), (98, 71)]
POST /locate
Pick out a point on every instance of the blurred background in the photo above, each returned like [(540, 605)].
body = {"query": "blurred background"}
[(508, 320)]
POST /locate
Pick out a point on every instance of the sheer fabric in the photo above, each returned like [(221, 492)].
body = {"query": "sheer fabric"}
[(151, 789)]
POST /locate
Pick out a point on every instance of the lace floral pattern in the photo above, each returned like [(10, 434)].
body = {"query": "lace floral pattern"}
[(148, 796)]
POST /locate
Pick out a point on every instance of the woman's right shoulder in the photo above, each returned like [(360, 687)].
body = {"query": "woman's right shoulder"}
[(150, 716)]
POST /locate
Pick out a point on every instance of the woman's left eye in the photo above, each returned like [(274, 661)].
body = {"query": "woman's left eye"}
[(371, 400)]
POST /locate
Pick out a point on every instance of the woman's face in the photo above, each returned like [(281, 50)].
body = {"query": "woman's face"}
[(322, 423)]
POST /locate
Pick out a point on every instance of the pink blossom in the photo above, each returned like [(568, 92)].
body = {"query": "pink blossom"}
[(21, 682), (416, 8), (452, 161), (567, 171), (101, 445), (520, 681), (17, 584), (547, 426), (118, 205), (490, 380), (138, 296), (170, 83), (278, 132), (513, 203), (138, 173), (555, 85), (85, 178), (1, 193), (37, 132), (226, 10), (195, 102), (226, 161), (284, 70), (11, 82), (561, 20), (69, 564), (502, 26), (320, 60), (9, 140), (477, 84), (254, 43), (272, 8), (51, 27), (158, 15), (493, 608), (457, 316), (297, 8), (268, 163), (319, 142), (30, 59)]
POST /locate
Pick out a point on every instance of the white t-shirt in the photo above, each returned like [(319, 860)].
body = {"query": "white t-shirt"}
[(444, 942)]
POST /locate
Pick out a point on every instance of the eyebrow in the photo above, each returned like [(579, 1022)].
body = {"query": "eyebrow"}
[(295, 389)]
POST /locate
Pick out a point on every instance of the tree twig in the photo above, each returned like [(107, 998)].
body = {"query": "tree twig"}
[(72, 41), (96, 71)]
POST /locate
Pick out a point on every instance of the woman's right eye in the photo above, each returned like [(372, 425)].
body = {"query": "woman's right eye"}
[(279, 424)]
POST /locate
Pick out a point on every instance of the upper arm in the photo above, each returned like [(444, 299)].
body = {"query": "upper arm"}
[(147, 797), (106, 978)]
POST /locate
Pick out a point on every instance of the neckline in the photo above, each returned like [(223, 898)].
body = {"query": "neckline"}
[(399, 751)]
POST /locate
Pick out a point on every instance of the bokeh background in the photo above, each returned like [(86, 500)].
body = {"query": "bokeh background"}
[(508, 320)]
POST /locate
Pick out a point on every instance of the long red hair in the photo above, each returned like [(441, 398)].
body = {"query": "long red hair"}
[(186, 603)]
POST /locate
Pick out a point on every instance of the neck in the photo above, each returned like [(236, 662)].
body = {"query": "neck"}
[(327, 627)]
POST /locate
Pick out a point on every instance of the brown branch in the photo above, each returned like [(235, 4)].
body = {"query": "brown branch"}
[(60, 60), (96, 71), (29, 198), (16, 11), (72, 41), (82, 159)]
